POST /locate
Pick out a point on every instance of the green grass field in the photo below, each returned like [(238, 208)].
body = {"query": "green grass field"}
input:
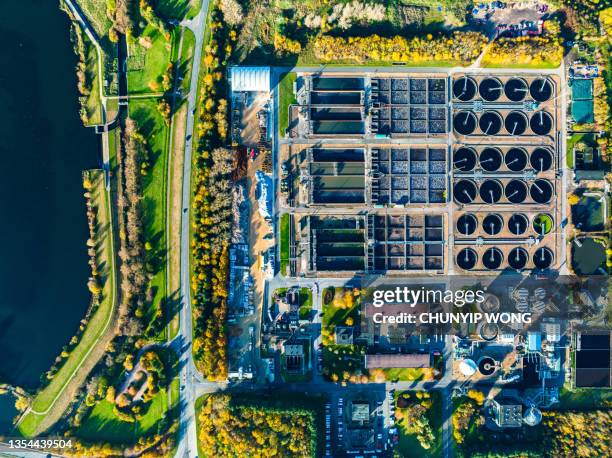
[(95, 10), (146, 65), (588, 139), (284, 243), (186, 61), (285, 98), (154, 129), (102, 425), (583, 399), (46, 401), (94, 104)]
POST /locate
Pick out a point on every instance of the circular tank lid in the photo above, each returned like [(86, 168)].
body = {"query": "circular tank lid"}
[(492, 224), (541, 123), (466, 224), (516, 89), (516, 191), (490, 123), (465, 191), (517, 223), (516, 159), (540, 89), (543, 258), (541, 159), (516, 123), (490, 89), (490, 159), (466, 259), (492, 258), (464, 122), (517, 258), (542, 224), (541, 191), (464, 159), (487, 365), (464, 88), (491, 191), (468, 367)]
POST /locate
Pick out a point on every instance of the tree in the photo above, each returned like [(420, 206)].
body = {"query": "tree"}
[(232, 12), (573, 199), (21, 403)]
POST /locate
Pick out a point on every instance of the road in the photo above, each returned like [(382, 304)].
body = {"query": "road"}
[(189, 375)]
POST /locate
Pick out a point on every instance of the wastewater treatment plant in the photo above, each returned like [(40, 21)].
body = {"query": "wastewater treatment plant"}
[(423, 173)]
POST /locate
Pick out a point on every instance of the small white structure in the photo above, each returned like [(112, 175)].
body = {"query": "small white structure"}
[(250, 79), (468, 367)]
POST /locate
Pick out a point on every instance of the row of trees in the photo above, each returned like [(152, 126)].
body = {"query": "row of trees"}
[(134, 277), (230, 429), (525, 51), (212, 204), (126, 18), (460, 47)]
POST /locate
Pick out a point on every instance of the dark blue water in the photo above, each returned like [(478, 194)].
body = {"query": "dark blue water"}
[(43, 228)]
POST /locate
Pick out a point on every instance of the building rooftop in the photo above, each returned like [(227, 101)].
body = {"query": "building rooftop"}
[(414, 361)]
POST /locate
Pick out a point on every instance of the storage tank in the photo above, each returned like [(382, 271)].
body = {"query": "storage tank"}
[(516, 89), (464, 122), (490, 159), (516, 159), (465, 191), (490, 123), (491, 191), (466, 224), (467, 258), (490, 89), (464, 159), (464, 88)]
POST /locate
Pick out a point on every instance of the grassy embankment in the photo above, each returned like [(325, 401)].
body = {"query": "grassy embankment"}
[(284, 243), (155, 130), (50, 403), (285, 98)]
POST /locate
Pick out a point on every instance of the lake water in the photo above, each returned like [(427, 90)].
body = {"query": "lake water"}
[(43, 227)]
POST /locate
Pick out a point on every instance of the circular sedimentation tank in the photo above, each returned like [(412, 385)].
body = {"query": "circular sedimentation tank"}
[(490, 159), (465, 191), (490, 304), (490, 123), (541, 123), (516, 123), (491, 191), (487, 365), (464, 159), (466, 224), (467, 258), (542, 224), (543, 258), (540, 89), (516, 191), (516, 89), (517, 223), (490, 89), (488, 331), (492, 224), (464, 122), (517, 258), (492, 258), (516, 159), (464, 88), (541, 159), (541, 191)]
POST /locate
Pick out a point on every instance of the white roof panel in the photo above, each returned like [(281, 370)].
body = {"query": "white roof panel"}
[(250, 79)]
